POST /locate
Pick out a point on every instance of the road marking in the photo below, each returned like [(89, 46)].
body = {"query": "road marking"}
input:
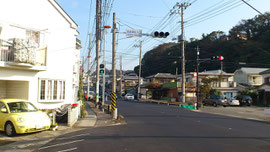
[(72, 136), (71, 149), (61, 144)]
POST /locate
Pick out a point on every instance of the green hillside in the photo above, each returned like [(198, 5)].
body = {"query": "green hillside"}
[(247, 44)]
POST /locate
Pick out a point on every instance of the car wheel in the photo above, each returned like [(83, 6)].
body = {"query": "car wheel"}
[(224, 105), (214, 104), (9, 129)]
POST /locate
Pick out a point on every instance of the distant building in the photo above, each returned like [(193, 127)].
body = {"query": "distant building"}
[(249, 77), (264, 89), (225, 85), (161, 78)]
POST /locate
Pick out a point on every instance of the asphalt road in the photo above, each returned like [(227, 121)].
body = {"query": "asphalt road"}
[(161, 128)]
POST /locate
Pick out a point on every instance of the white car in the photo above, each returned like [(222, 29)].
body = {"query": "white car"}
[(233, 102), (129, 96)]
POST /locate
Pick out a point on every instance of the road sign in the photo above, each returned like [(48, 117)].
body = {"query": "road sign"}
[(133, 33)]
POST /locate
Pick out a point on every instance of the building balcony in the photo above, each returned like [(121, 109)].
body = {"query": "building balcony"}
[(23, 58)]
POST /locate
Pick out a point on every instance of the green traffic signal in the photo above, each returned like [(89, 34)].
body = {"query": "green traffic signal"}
[(101, 71)]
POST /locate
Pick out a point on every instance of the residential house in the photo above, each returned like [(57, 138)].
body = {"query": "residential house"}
[(225, 83), (154, 85), (39, 53), (264, 89), (130, 83), (161, 78), (249, 77)]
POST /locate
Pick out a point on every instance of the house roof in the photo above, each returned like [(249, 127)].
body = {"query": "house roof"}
[(265, 72), (214, 71), (162, 75), (73, 24), (127, 77), (251, 70)]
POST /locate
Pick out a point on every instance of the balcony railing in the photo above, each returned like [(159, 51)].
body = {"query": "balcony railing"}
[(31, 56)]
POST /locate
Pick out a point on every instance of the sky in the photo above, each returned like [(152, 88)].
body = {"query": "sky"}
[(201, 17)]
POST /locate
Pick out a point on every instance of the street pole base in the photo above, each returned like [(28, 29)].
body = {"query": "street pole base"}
[(115, 114)]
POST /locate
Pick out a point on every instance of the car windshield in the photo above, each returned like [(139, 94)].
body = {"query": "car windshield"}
[(20, 106), (247, 97)]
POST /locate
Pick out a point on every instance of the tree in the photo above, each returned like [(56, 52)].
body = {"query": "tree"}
[(205, 87)]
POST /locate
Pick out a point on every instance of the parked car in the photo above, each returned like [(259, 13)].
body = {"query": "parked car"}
[(129, 96), (215, 100), (91, 95), (244, 100), (19, 116), (233, 102)]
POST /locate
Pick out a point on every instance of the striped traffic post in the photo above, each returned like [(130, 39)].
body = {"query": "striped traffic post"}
[(113, 99), (113, 105)]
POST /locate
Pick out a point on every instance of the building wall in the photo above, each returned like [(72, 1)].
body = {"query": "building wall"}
[(240, 77), (3, 91), (255, 80), (56, 33)]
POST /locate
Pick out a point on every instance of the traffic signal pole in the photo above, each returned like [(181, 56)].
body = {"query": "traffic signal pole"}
[(113, 54), (104, 74)]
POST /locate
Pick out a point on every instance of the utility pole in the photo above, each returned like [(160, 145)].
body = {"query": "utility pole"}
[(113, 54), (104, 74), (121, 75), (98, 21), (88, 72), (183, 6), (140, 70), (197, 78)]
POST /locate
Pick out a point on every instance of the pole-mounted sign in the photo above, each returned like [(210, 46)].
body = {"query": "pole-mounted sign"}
[(133, 33)]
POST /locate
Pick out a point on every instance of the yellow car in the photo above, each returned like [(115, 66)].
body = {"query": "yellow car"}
[(19, 116)]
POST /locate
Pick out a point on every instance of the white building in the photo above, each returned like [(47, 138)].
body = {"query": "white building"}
[(249, 76), (266, 81), (38, 56), (225, 85)]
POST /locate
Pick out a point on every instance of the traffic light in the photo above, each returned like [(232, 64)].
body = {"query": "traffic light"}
[(160, 34), (101, 71), (215, 58)]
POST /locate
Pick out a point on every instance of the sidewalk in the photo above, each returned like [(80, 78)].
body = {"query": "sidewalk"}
[(90, 118)]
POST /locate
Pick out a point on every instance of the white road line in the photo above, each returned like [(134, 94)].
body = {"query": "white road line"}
[(61, 144), (68, 149), (72, 136)]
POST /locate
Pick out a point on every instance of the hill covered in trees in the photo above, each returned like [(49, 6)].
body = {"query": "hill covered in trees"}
[(247, 44)]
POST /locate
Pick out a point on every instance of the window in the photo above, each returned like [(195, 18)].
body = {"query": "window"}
[(42, 90), (55, 90), (51, 90)]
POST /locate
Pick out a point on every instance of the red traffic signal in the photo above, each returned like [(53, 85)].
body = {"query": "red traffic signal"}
[(214, 58), (220, 58)]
